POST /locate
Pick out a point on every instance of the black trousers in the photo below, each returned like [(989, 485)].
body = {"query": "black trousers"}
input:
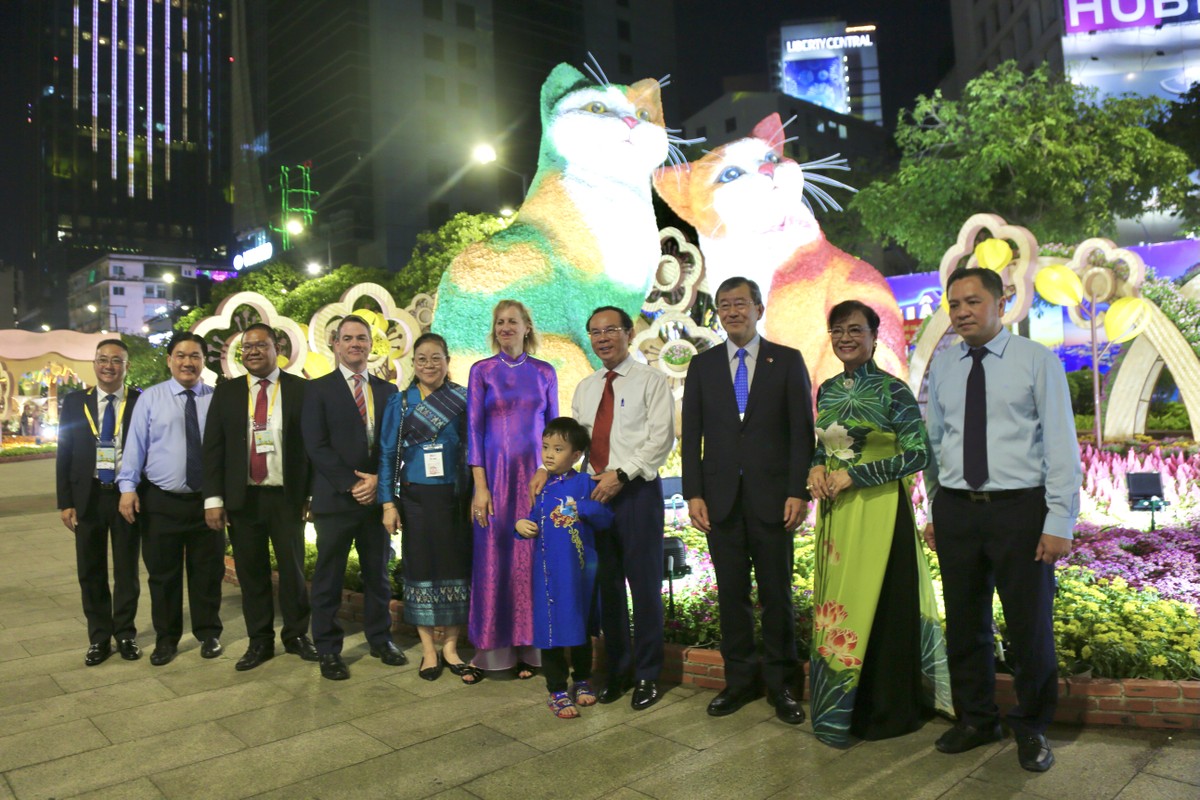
[(268, 517), (633, 551), (738, 544), (336, 533), (554, 665), (986, 546), (108, 613), (176, 536)]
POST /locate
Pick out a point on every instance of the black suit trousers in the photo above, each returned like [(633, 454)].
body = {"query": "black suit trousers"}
[(176, 536), (268, 518), (738, 544), (363, 529), (108, 613), (990, 546)]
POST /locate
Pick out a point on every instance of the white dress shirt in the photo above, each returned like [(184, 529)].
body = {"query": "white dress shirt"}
[(643, 429)]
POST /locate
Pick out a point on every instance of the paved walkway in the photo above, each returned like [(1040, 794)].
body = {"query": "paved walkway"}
[(197, 728)]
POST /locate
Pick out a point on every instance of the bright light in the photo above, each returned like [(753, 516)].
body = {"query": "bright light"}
[(185, 308), (1130, 76), (484, 153), (145, 329), (91, 307), (104, 330), (160, 310), (506, 212), (168, 278), (314, 268), (45, 327), (295, 226)]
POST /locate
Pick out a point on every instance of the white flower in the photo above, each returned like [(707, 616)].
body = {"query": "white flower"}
[(838, 442)]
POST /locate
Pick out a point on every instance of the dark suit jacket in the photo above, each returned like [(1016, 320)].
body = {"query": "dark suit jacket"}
[(336, 439), (770, 449), (226, 442), (75, 463)]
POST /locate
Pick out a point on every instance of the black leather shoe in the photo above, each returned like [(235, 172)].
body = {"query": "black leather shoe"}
[(255, 655), (614, 690), (645, 694), (389, 654), (432, 673), (163, 654), (129, 649), (98, 653), (962, 738), (730, 700), (211, 648), (333, 668), (788, 707), (1034, 753), (301, 646)]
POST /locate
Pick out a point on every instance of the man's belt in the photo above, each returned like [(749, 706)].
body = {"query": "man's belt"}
[(988, 497)]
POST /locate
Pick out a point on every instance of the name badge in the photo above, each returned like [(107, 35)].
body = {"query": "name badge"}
[(106, 456), (434, 465), (264, 442)]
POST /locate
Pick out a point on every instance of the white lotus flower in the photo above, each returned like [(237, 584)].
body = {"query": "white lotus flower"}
[(838, 442)]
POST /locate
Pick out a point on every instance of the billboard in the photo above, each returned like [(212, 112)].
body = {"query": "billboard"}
[(820, 81), (1085, 16)]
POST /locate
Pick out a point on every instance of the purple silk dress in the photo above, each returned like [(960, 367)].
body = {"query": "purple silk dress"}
[(508, 404)]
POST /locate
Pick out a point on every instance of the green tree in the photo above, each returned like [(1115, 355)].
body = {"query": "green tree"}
[(1035, 149), (1179, 124), (147, 363)]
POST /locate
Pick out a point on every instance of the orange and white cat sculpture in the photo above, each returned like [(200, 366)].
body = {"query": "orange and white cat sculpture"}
[(746, 201)]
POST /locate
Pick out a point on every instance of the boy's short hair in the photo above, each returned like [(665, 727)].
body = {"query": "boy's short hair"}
[(575, 434)]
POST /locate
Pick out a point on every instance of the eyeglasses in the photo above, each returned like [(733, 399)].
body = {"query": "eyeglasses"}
[(105, 361), (854, 332), (611, 330), (725, 306), (430, 361), (250, 347)]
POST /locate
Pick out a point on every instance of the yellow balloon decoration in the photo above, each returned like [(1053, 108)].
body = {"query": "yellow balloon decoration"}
[(993, 254), (1125, 319), (1059, 285), (316, 365)]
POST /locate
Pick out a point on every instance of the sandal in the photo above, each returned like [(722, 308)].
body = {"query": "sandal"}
[(562, 705), (464, 670), (583, 693), (523, 671)]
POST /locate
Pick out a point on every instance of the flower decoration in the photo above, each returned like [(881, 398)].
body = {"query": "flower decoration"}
[(828, 615), (393, 331), (838, 441), (670, 342), (222, 332), (840, 644), (680, 275)]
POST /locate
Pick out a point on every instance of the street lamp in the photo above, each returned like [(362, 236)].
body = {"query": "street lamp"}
[(45, 327), (294, 226), (506, 212), (486, 154), (91, 307), (314, 268)]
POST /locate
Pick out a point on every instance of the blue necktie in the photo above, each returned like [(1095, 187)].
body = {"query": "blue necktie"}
[(191, 427), (741, 381), (108, 425)]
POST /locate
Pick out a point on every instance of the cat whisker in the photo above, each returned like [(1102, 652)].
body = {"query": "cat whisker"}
[(834, 161), (775, 144), (680, 140), (823, 197), (790, 120), (598, 72), (817, 177), (664, 81), (789, 140)]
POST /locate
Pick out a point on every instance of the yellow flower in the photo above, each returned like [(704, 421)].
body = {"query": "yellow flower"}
[(1158, 661)]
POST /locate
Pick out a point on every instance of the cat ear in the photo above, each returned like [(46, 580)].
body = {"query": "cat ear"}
[(647, 93), (674, 185), (561, 81), (770, 130)]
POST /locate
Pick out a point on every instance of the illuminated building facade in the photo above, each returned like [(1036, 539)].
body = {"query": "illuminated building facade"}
[(832, 65)]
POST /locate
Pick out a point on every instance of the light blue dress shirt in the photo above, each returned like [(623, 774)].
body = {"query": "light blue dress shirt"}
[(157, 443), (1030, 425)]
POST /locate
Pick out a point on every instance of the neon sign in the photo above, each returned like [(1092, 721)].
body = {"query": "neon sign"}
[(830, 43), (255, 255), (1084, 16)]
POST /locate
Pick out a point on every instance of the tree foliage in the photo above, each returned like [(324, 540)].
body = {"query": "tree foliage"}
[(1035, 149), (1179, 124), (147, 363)]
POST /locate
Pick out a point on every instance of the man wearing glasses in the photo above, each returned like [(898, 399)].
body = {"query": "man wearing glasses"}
[(747, 444), (91, 437), (256, 476), (162, 476)]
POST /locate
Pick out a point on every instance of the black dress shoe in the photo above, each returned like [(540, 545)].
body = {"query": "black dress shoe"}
[(333, 668), (129, 649), (645, 694), (434, 672), (1034, 753), (962, 738), (211, 648), (614, 690), (389, 654), (255, 655), (98, 653), (730, 700), (788, 707), (163, 654), (301, 646)]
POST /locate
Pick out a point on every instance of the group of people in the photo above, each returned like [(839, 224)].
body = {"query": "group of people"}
[(536, 531)]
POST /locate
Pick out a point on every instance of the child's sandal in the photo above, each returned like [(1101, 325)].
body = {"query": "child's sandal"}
[(562, 705), (583, 693)]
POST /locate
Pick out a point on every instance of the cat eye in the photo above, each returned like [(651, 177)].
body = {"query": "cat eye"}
[(731, 174), (597, 108), (644, 115), (772, 158)]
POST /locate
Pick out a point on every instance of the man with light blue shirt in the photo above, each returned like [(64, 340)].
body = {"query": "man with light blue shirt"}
[(162, 476), (1005, 496)]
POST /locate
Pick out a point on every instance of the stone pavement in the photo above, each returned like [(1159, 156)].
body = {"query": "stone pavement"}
[(197, 728)]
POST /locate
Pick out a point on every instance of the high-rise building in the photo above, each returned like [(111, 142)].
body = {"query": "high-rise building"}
[(128, 109), (832, 65)]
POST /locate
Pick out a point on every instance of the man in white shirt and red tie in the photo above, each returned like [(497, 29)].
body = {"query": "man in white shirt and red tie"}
[(256, 481), (628, 410)]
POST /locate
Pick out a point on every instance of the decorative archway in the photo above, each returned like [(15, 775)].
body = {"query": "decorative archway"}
[(1160, 344)]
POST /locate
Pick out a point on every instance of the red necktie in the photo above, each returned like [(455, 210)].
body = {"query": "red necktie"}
[(359, 399), (258, 461), (602, 426)]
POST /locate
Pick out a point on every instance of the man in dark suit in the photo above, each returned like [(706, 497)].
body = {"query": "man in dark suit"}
[(90, 442), (747, 444), (342, 415), (256, 478)]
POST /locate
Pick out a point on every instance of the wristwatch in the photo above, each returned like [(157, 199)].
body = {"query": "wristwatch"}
[(622, 477)]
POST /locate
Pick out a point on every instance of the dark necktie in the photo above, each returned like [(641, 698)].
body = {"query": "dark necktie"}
[(258, 461), (602, 426), (741, 381), (108, 426), (975, 457), (191, 429)]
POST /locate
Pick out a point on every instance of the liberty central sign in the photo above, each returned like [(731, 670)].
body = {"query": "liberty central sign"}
[(1084, 16), (850, 40)]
